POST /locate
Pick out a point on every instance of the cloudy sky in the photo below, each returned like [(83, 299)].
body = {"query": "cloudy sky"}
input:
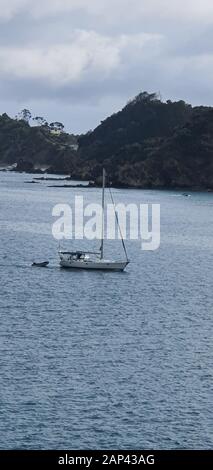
[(77, 61)]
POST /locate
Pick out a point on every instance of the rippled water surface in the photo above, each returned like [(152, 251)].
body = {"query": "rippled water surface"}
[(92, 360)]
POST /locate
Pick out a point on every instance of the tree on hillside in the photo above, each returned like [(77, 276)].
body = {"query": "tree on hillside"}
[(57, 126), (144, 97), (40, 121), (24, 115)]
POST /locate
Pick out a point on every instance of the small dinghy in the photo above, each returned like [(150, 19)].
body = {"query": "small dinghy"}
[(44, 264)]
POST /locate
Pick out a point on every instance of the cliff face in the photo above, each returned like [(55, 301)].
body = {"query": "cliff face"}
[(148, 144)]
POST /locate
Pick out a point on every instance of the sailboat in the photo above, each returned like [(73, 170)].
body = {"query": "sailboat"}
[(95, 260)]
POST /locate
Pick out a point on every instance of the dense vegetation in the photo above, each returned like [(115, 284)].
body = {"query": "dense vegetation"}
[(147, 144), (152, 144), (35, 147)]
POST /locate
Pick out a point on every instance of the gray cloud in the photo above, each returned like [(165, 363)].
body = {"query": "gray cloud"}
[(79, 60)]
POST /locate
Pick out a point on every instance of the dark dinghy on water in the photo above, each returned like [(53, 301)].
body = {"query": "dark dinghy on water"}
[(44, 264)]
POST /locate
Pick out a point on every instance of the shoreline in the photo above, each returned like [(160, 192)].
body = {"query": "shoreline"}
[(59, 177)]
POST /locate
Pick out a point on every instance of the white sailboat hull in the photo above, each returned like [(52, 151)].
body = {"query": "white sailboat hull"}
[(104, 265), (83, 260)]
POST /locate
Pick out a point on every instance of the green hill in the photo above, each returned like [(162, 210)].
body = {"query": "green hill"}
[(35, 147), (151, 144), (148, 144)]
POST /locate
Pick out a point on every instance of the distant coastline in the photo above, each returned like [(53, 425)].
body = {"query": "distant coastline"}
[(92, 185), (149, 144)]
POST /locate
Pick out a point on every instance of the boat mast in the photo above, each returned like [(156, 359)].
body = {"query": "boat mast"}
[(119, 228), (103, 204)]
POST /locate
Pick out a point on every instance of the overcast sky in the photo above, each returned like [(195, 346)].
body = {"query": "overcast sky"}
[(78, 61)]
